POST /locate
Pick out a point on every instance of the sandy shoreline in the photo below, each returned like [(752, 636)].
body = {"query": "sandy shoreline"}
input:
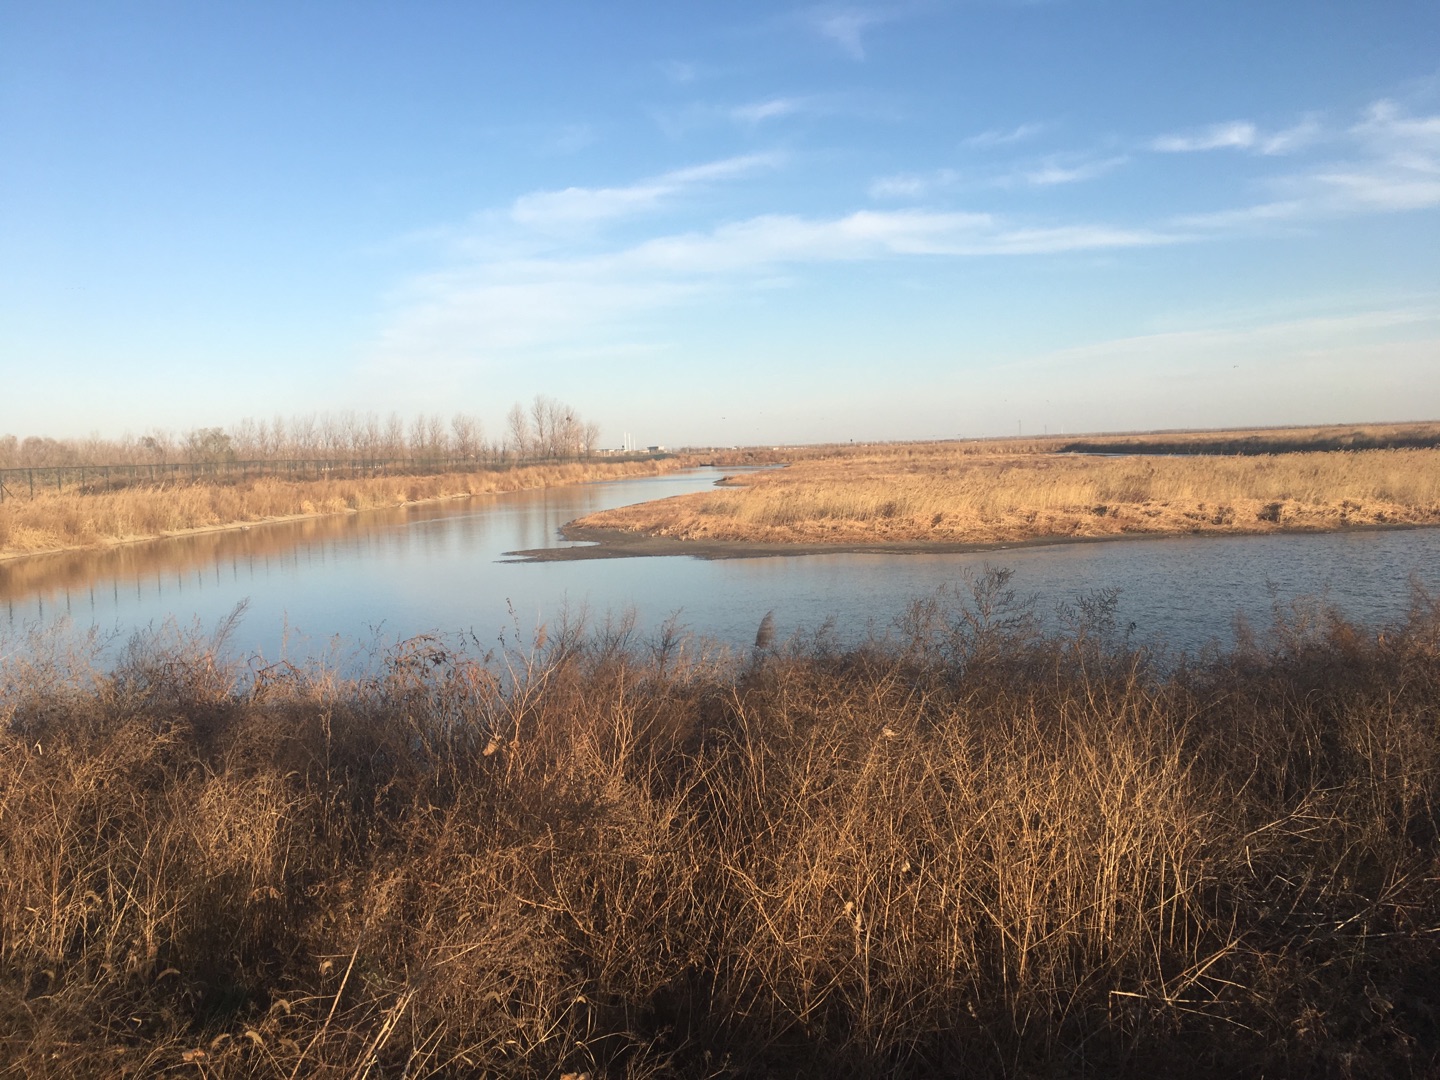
[(623, 544)]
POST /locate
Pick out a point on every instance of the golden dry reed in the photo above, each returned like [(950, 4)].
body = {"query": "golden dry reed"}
[(965, 849), (947, 493), (58, 521)]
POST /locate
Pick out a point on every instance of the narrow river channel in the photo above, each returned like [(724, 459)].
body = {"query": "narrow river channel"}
[(360, 582)]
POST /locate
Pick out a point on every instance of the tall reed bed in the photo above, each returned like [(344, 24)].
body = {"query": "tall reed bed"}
[(56, 521), (962, 849)]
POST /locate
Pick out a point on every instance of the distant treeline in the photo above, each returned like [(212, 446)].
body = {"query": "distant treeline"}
[(1420, 437), (546, 429)]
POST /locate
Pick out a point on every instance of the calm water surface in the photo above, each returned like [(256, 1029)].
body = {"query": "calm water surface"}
[(370, 579)]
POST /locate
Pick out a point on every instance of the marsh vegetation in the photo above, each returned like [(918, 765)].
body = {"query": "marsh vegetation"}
[(995, 493), (96, 491), (69, 519), (965, 846)]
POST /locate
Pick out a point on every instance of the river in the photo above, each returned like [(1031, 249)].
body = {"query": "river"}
[(349, 585)]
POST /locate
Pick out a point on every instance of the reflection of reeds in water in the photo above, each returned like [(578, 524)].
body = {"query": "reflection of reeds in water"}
[(965, 850), (51, 521), (905, 493), (47, 574)]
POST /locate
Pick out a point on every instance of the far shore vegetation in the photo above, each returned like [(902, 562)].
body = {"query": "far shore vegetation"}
[(1002, 491), (66, 494), (65, 521), (964, 847)]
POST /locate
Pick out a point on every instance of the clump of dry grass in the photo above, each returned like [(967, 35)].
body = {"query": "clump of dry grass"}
[(967, 848), (56, 521), (958, 497)]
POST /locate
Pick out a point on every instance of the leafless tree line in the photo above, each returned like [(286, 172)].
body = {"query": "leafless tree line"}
[(546, 429)]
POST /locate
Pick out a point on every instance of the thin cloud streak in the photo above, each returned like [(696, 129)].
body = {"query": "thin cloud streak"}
[(1242, 135), (1293, 139), (582, 206), (1236, 135), (759, 111), (1050, 172), (1005, 138)]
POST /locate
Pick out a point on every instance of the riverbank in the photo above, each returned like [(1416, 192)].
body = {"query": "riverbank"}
[(963, 848), (938, 497), (54, 523), (593, 543)]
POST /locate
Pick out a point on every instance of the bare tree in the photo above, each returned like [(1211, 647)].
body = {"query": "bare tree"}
[(416, 441), (467, 432), (245, 438), (393, 440), (518, 437), (570, 432), (302, 435), (370, 436), (590, 438), (541, 412), (437, 439)]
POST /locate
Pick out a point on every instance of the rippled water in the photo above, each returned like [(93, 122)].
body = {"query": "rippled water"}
[(373, 578)]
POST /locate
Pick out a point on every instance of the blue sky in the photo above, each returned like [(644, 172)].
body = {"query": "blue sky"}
[(722, 222)]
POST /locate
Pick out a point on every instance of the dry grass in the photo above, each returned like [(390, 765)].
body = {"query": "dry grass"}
[(947, 494), (964, 850), (1272, 440), (52, 521)]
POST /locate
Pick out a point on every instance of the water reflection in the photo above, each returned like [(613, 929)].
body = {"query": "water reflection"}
[(390, 574)]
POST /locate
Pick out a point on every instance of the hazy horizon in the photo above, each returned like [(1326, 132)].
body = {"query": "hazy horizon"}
[(735, 225)]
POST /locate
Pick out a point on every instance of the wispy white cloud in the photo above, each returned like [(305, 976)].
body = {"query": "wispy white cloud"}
[(757, 111), (1384, 188), (846, 27), (1393, 165), (1386, 124), (582, 206), (1054, 172), (1236, 134), (845, 30), (1005, 138), (1291, 139), (513, 291), (913, 185), (1242, 135), (1049, 172), (490, 307), (1243, 217), (680, 120)]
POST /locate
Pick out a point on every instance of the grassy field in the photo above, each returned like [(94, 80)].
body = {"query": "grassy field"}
[(965, 493), (52, 522), (964, 849)]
